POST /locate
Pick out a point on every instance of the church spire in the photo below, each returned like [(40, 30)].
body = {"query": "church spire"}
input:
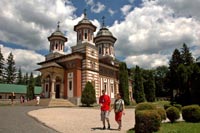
[(85, 13), (103, 21), (58, 26)]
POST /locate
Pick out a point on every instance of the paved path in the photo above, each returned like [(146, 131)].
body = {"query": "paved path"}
[(14, 119), (81, 120)]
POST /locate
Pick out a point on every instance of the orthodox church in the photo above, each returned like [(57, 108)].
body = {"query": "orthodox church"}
[(92, 59)]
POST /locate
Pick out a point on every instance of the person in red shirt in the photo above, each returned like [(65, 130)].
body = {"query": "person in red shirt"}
[(104, 102)]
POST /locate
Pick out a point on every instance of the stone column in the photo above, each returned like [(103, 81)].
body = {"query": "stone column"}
[(53, 89)]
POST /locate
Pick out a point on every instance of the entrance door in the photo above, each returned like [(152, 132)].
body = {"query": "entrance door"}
[(57, 91)]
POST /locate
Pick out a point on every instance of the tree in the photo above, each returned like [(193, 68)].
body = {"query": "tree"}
[(195, 80), (2, 60), (30, 88), (175, 61), (149, 87), (10, 73), (186, 55), (38, 80), (138, 86), (160, 75), (183, 94), (88, 96), (19, 77), (123, 83), (25, 79)]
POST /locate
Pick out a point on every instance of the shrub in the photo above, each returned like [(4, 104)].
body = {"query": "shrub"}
[(162, 113), (147, 121), (166, 106), (191, 113), (178, 106), (88, 95), (145, 106), (173, 114)]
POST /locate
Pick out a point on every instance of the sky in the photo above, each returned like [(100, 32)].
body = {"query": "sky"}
[(147, 31)]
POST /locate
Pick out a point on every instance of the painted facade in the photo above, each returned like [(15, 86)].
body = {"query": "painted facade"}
[(92, 59)]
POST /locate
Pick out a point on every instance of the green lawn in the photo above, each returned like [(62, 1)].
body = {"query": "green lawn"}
[(178, 127)]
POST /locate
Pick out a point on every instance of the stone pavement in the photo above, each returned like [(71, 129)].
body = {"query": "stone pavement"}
[(80, 120), (14, 119)]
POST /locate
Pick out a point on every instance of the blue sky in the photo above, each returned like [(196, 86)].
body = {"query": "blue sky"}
[(147, 31)]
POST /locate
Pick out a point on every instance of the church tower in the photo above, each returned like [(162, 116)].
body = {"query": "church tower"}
[(57, 42), (105, 42), (85, 45)]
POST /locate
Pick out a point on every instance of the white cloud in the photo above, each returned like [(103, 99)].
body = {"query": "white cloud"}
[(125, 9), (28, 23), (95, 7), (183, 7), (153, 30), (111, 11), (147, 61), (26, 59)]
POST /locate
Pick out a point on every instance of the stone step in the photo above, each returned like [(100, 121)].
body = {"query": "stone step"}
[(60, 103), (50, 103)]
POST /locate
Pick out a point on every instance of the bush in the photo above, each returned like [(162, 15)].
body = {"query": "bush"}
[(191, 113), (173, 114), (166, 106), (145, 106), (162, 113), (178, 106), (147, 121), (88, 95)]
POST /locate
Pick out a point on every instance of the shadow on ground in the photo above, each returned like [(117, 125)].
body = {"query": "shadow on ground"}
[(100, 128)]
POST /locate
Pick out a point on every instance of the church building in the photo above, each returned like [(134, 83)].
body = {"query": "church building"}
[(92, 59)]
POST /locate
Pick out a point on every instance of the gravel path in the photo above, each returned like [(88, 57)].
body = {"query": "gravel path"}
[(80, 120)]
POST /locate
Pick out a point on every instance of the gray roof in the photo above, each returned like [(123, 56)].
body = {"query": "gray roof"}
[(104, 32), (57, 33), (85, 21)]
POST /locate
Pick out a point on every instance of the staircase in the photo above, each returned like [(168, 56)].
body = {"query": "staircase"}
[(60, 103), (50, 103)]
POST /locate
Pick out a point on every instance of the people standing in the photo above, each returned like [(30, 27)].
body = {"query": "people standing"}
[(12, 97), (119, 110), (104, 102), (38, 100)]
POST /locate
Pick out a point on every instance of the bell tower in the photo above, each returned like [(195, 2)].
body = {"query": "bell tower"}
[(85, 30), (57, 43), (104, 41), (85, 45)]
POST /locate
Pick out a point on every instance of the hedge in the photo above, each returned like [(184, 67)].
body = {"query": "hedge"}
[(191, 113), (173, 114), (147, 121)]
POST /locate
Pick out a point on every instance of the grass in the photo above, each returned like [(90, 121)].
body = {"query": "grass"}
[(178, 127)]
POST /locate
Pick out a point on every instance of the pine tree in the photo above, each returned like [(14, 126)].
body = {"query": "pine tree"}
[(2, 68), (19, 77), (175, 61), (10, 73), (30, 88), (123, 83), (138, 86), (88, 96), (25, 79), (186, 55), (195, 80), (149, 87), (38, 80), (160, 75)]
